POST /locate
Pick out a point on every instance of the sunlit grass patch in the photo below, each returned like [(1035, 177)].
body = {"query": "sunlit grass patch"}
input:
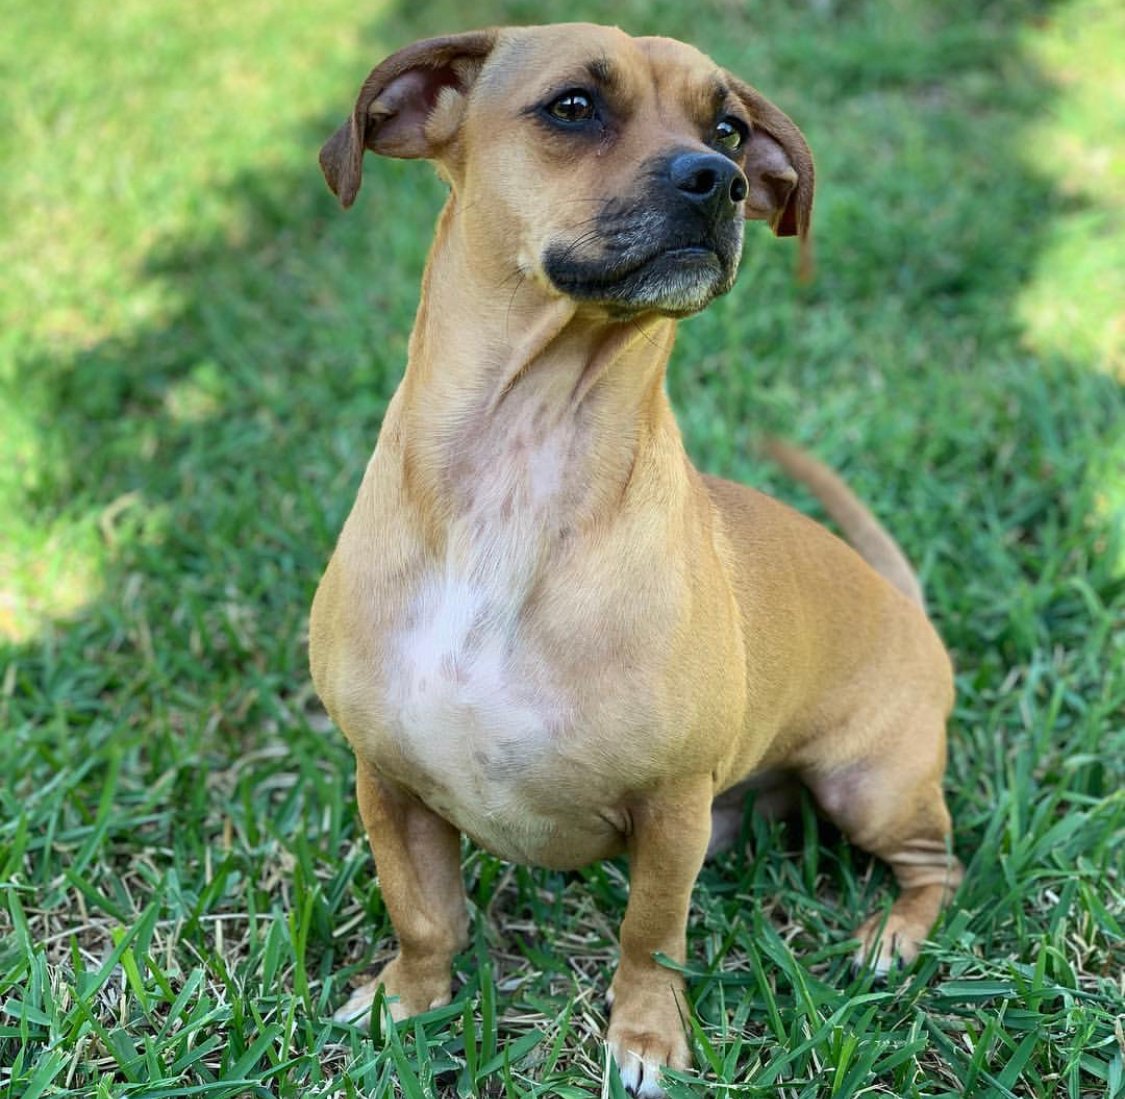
[(1074, 304), (48, 575)]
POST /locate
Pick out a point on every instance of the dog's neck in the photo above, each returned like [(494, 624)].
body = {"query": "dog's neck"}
[(507, 380)]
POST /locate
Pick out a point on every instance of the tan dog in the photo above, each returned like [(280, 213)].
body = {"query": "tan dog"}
[(542, 626)]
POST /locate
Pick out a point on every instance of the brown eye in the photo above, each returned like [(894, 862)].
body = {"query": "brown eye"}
[(730, 134), (572, 107)]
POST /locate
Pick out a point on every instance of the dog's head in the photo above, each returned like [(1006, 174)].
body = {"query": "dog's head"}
[(617, 171)]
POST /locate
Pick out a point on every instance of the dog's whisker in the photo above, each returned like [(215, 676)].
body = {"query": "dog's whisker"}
[(512, 300)]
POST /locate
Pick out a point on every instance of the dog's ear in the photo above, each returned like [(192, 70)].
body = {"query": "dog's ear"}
[(395, 112), (778, 166)]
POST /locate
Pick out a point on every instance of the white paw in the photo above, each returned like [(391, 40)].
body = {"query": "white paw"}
[(358, 1005), (642, 1055), (641, 1077)]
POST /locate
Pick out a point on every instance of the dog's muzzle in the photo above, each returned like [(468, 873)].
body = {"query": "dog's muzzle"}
[(671, 249)]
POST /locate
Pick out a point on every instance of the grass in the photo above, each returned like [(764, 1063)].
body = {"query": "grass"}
[(196, 350)]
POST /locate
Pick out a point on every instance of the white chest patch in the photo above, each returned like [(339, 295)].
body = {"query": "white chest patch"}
[(473, 706)]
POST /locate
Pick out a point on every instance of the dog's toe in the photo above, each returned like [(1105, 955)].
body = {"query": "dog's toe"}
[(641, 1057), (639, 1076), (403, 998), (357, 1005), (886, 946)]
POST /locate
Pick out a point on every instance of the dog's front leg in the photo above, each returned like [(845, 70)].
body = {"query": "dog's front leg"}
[(670, 831), (418, 858)]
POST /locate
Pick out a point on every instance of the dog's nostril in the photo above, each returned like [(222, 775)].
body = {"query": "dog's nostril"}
[(738, 189), (702, 182)]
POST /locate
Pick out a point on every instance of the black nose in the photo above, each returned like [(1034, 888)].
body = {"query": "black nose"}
[(711, 180)]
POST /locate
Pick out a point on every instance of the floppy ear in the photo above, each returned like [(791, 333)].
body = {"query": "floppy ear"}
[(395, 112), (778, 166)]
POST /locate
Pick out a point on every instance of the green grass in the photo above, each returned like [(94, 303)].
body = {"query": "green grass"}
[(195, 352)]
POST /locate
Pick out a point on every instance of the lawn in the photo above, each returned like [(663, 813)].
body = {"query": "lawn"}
[(196, 349)]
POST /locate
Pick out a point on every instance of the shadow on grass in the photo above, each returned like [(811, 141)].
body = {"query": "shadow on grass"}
[(221, 450)]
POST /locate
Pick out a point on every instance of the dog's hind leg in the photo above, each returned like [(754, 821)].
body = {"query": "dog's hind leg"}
[(890, 803)]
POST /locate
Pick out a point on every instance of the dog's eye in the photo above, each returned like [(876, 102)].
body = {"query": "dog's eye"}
[(730, 133), (572, 107)]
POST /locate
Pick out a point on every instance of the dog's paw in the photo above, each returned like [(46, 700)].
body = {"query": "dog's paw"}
[(646, 1033), (887, 943), (404, 998), (641, 1055), (356, 1007)]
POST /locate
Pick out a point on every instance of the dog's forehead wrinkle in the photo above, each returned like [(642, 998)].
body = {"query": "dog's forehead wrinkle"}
[(720, 92), (657, 77), (582, 49), (603, 71), (683, 76)]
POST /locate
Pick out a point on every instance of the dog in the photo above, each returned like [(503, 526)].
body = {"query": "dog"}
[(542, 627)]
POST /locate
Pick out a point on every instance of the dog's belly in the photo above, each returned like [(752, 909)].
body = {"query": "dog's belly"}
[(477, 728)]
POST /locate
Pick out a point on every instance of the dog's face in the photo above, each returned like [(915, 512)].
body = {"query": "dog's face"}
[(617, 171)]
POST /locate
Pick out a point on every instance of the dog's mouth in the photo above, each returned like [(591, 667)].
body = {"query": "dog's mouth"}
[(633, 269)]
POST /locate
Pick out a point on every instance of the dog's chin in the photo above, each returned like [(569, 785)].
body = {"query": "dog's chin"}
[(674, 282)]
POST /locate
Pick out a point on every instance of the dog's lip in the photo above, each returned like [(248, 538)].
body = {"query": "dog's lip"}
[(688, 250), (701, 255), (682, 252), (698, 253)]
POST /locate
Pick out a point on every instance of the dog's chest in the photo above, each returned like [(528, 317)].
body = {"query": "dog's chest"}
[(475, 708)]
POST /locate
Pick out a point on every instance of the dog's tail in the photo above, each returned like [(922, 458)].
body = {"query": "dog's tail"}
[(860, 527)]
